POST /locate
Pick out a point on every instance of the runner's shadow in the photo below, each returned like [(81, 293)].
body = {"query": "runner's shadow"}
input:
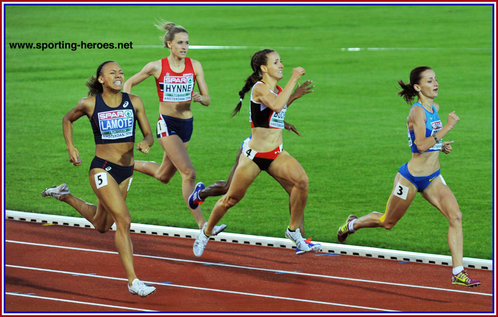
[(37, 287)]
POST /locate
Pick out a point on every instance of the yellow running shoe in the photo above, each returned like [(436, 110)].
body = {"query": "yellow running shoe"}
[(343, 231), (463, 278)]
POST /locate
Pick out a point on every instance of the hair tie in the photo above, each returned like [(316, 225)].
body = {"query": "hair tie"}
[(241, 99)]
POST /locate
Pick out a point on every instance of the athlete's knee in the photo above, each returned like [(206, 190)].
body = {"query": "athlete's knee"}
[(163, 178), (123, 221), (103, 228), (189, 173), (228, 201), (386, 223), (102, 224), (303, 182), (455, 218), (221, 187)]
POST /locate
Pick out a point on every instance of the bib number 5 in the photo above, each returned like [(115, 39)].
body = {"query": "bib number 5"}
[(100, 179)]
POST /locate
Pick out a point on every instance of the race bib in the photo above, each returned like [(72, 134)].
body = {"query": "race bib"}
[(277, 119), (177, 88), (116, 124)]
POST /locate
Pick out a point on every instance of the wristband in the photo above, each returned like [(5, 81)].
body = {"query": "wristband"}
[(435, 138)]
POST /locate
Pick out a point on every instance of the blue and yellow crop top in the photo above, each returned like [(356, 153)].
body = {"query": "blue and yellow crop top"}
[(113, 125), (432, 125)]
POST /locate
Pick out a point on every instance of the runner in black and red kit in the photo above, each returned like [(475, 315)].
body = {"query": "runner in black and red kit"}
[(264, 151)]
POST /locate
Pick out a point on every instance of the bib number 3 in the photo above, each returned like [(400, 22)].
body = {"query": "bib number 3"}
[(401, 191)]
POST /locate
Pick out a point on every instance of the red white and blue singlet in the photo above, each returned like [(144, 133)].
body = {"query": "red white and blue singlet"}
[(175, 87)]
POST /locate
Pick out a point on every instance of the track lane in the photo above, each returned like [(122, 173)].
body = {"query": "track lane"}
[(245, 269)]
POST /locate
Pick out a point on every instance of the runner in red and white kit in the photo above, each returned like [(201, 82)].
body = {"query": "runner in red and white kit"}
[(175, 77), (264, 151)]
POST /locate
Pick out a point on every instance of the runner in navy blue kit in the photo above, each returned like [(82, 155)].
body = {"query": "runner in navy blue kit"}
[(175, 78), (113, 115), (422, 173), (264, 151)]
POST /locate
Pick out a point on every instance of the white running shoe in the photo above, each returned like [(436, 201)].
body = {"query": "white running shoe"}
[(56, 191), (139, 288), (201, 242), (315, 247), (218, 229), (298, 239)]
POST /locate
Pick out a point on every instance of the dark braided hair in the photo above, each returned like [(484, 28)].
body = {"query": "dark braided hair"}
[(93, 84), (258, 59), (408, 92)]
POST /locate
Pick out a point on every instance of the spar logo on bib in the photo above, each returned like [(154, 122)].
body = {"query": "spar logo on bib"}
[(437, 125), (116, 124), (277, 119), (177, 88)]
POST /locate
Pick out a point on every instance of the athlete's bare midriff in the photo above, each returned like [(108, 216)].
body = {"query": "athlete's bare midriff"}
[(176, 109), (265, 139)]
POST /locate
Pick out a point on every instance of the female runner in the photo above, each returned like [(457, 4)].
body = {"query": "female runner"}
[(422, 173), (175, 78), (264, 150), (112, 115)]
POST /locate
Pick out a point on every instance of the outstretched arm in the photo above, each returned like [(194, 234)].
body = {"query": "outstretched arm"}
[(300, 91), (203, 95), (151, 69), (84, 107), (143, 122), (277, 103)]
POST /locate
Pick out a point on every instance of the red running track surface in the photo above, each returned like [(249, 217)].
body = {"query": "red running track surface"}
[(51, 268)]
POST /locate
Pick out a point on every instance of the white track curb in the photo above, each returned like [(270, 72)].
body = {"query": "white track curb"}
[(335, 248)]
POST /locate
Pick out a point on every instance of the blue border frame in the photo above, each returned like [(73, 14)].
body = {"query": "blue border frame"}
[(493, 5)]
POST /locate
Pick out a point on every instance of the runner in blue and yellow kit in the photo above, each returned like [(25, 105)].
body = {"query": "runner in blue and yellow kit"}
[(422, 173)]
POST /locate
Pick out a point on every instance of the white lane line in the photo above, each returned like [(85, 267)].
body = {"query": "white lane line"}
[(357, 49), (205, 289), (77, 302), (343, 49), (215, 47), (197, 47), (260, 269)]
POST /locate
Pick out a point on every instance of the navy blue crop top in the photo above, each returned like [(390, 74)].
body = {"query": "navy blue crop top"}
[(113, 125)]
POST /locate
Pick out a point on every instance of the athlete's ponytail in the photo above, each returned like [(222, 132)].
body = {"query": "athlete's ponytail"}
[(258, 59), (93, 84), (250, 81), (171, 30), (408, 91)]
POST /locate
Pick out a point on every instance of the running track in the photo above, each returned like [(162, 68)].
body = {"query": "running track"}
[(50, 268)]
